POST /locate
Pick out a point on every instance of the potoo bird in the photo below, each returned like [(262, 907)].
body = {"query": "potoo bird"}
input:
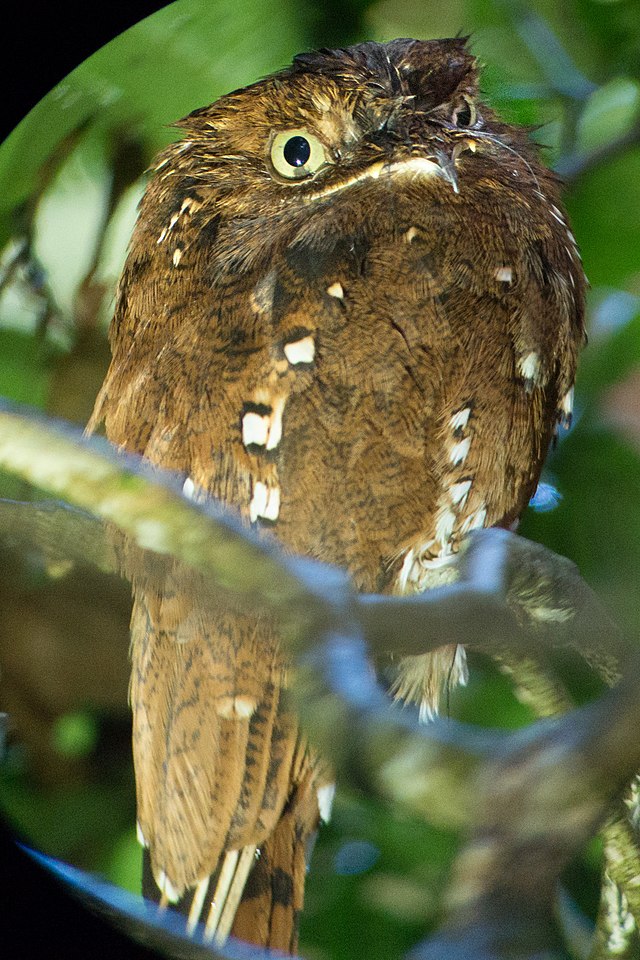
[(351, 311)]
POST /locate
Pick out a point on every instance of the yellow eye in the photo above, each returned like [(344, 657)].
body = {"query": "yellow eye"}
[(297, 154)]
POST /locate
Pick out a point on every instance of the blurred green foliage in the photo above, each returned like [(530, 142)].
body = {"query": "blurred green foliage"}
[(70, 179), (75, 734)]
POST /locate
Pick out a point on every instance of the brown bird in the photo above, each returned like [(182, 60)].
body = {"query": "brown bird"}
[(351, 311)]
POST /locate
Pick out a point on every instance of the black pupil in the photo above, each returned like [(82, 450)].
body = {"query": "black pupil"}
[(297, 151)]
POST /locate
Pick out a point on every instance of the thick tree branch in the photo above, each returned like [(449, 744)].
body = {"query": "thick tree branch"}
[(530, 799)]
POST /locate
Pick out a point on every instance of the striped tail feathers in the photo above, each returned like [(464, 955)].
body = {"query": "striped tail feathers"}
[(232, 879), (273, 897), (225, 787), (209, 908), (256, 894), (186, 757)]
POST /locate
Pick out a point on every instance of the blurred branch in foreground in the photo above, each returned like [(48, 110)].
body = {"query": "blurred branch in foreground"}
[(529, 800)]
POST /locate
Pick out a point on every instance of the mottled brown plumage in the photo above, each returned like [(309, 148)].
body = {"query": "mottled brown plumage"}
[(351, 311)]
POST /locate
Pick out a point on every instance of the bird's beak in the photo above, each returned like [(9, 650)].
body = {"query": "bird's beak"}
[(447, 165)]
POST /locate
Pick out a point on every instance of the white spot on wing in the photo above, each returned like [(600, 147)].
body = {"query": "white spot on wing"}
[(460, 419), (566, 405), (504, 274), (275, 429), (255, 429), (258, 501), (265, 502), (272, 508), (300, 351), (459, 451), (336, 290), (458, 492), (189, 488), (177, 256), (529, 367)]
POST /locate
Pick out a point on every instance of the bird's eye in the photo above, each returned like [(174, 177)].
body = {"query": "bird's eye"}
[(465, 114), (297, 154)]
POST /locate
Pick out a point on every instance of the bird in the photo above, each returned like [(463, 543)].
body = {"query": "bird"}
[(351, 311)]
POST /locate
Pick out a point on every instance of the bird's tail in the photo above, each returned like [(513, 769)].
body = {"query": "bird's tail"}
[(273, 897), (255, 894)]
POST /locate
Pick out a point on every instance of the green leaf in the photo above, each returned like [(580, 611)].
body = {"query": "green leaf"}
[(22, 370), (603, 209), (610, 112)]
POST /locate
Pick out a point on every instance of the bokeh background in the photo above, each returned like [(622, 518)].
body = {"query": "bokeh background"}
[(71, 175)]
